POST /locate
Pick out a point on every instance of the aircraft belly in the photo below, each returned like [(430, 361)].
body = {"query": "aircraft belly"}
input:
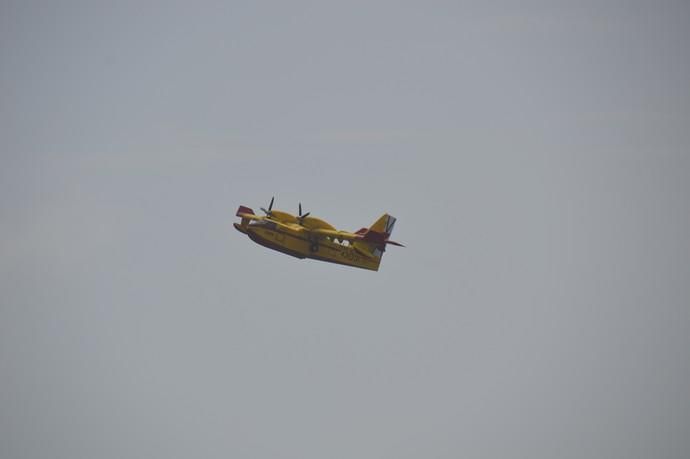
[(300, 247), (336, 253)]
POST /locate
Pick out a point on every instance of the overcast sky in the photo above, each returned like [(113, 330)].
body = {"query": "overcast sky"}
[(536, 155)]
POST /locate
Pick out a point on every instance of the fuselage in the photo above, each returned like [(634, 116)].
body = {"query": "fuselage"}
[(292, 239)]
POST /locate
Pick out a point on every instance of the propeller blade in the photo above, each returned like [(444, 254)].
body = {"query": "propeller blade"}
[(265, 211), (302, 216), (270, 206)]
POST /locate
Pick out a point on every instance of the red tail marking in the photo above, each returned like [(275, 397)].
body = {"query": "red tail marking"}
[(244, 210), (375, 237)]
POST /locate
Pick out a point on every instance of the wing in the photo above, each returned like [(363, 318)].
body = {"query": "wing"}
[(247, 216)]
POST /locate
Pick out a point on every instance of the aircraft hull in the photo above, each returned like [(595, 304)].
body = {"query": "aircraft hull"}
[(300, 246)]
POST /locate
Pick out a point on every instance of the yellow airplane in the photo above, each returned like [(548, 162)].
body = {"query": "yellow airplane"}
[(303, 236)]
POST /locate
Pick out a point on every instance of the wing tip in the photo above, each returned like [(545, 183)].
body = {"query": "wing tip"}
[(244, 210)]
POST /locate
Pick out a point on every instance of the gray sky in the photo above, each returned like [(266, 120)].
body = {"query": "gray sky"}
[(536, 155)]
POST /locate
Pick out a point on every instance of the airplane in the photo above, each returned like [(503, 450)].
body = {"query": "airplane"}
[(304, 236)]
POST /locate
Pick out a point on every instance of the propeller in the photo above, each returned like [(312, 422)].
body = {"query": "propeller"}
[(270, 206), (302, 217)]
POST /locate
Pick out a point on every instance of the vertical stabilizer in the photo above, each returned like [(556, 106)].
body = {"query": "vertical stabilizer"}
[(374, 241), (384, 224)]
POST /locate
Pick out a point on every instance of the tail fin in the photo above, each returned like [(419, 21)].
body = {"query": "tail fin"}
[(384, 224), (375, 238)]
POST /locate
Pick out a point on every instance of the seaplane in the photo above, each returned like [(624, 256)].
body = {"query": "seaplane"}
[(304, 236)]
